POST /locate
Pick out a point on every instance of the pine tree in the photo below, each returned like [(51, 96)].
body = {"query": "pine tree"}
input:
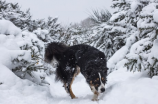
[(13, 13), (74, 35), (48, 30), (143, 58), (119, 27), (140, 35), (103, 41)]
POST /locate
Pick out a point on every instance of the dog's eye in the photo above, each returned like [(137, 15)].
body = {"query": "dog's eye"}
[(103, 79), (96, 85)]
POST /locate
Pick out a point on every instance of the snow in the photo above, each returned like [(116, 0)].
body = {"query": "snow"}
[(155, 15), (17, 91), (118, 29), (132, 88), (117, 15), (154, 50), (41, 33), (150, 12), (10, 50), (122, 88), (7, 27), (134, 5), (149, 9), (118, 56), (7, 56), (144, 24), (7, 78)]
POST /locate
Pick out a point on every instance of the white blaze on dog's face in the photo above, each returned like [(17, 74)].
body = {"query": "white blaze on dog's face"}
[(101, 88), (97, 83)]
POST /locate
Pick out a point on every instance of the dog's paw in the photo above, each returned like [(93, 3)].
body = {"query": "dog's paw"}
[(95, 99), (75, 98)]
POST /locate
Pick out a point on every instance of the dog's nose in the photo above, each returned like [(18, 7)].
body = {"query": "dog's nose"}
[(102, 90)]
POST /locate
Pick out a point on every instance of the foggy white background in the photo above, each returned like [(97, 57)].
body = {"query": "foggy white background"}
[(66, 10)]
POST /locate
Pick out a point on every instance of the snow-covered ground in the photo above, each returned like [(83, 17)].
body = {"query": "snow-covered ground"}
[(122, 88)]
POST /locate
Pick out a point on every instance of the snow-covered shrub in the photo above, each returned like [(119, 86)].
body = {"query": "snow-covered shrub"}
[(33, 69), (48, 30), (100, 16), (13, 13), (22, 52), (139, 20), (43, 35), (87, 23), (73, 36), (102, 39)]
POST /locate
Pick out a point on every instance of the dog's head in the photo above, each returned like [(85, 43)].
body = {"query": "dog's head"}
[(97, 81), (96, 76)]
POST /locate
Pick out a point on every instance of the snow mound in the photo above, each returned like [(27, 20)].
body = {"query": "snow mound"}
[(118, 56), (7, 27), (7, 78), (10, 50), (18, 91)]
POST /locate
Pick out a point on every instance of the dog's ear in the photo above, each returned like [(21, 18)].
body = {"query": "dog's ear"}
[(105, 70)]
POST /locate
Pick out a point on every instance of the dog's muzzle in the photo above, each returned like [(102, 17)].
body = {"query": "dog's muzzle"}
[(102, 90)]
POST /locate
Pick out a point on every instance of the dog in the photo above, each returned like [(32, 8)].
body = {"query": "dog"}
[(70, 61)]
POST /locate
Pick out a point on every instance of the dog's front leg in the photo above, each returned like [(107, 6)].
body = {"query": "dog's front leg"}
[(71, 93), (68, 89), (95, 96)]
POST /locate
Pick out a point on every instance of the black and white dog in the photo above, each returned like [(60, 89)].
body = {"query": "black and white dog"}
[(70, 61)]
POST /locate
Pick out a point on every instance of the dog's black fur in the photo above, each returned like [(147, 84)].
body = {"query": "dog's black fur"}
[(90, 60)]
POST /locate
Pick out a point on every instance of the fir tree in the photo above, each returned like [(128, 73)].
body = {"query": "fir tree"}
[(13, 13), (26, 69), (147, 26), (140, 35)]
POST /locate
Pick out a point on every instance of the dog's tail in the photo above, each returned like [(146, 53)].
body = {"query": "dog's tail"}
[(54, 50)]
